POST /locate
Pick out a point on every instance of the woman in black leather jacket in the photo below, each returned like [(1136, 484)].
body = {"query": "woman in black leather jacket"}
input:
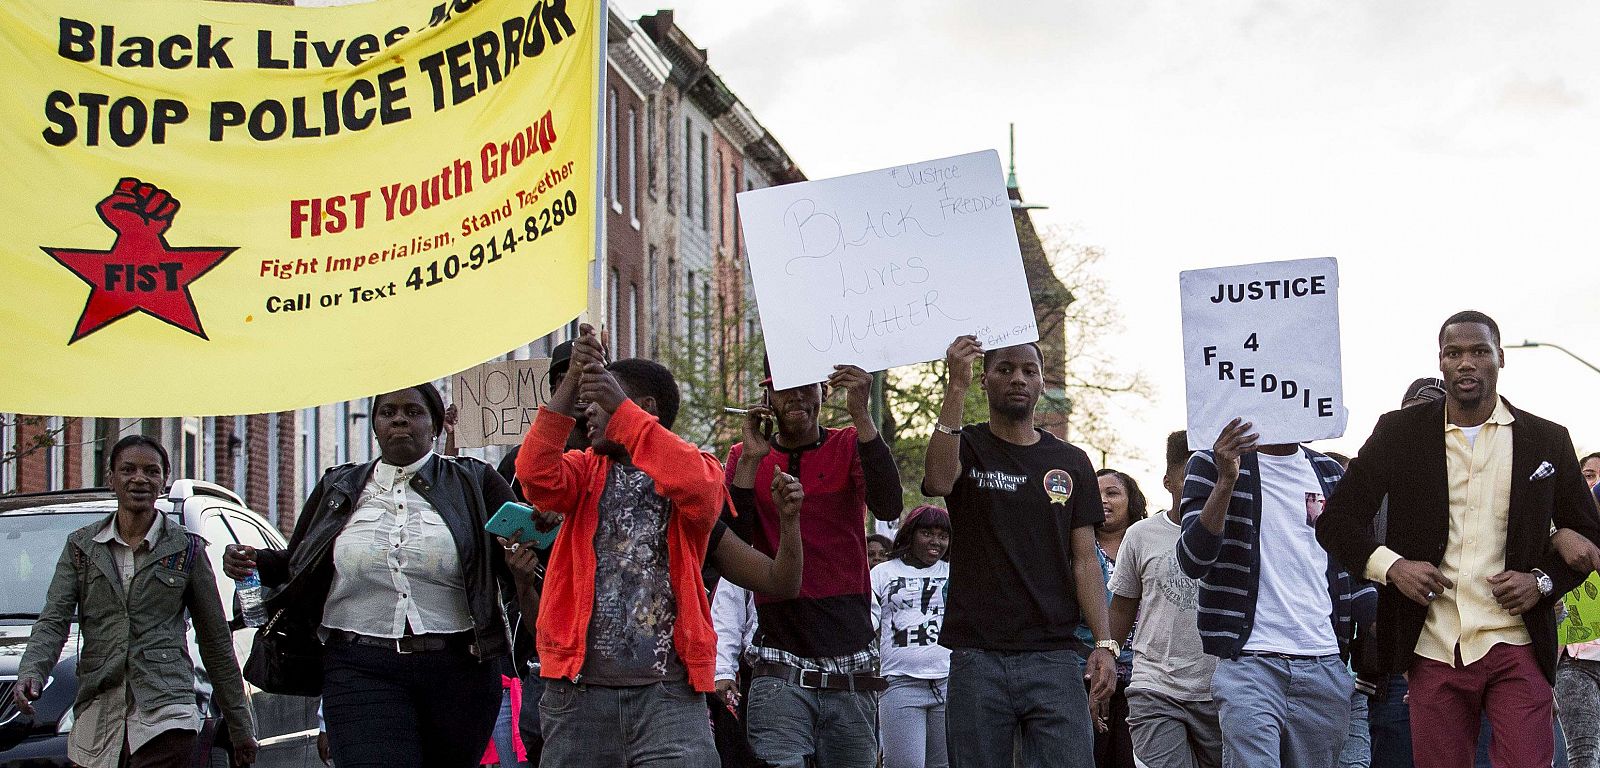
[(391, 567)]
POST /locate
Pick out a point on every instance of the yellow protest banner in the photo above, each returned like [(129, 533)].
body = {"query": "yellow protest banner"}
[(217, 208)]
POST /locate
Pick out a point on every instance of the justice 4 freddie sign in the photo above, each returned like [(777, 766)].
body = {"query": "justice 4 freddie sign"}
[(1261, 342), (279, 206)]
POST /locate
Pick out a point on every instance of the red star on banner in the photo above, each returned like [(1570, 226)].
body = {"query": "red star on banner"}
[(140, 273)]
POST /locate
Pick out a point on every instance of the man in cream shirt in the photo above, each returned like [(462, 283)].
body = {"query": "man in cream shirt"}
[(1470, 574)]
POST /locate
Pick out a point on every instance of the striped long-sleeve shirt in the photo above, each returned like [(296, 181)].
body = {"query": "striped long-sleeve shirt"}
[(1228, 566)]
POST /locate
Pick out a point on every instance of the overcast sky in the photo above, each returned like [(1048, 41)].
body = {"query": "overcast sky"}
[(1445, 153)]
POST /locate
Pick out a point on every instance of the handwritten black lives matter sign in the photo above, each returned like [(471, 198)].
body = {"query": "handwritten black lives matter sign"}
[(1261, 342), (496, 401), (884, 268)]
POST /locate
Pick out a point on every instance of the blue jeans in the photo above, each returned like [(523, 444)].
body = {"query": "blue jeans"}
[(1357, 751), (1022, 708), (786, 724), (505, 735), (1389, 722), (664, 725), (1289, 712)]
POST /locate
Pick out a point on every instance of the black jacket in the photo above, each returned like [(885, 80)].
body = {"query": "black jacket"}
[(464, 491), (1405, 459)]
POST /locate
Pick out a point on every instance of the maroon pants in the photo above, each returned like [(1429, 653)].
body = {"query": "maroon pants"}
[(1448, 702)]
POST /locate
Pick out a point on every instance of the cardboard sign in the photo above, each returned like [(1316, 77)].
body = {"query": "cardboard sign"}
[(885, 268), (496, 402), (1578, 613), (1261, 342), (293, 205)]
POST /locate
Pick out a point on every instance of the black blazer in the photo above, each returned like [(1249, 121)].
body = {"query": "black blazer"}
[(1405, 460)]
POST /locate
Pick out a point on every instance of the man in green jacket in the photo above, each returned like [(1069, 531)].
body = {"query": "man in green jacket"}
[(132, 580)]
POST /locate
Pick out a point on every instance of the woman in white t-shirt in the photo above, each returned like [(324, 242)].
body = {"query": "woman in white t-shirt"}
[(909, 593)]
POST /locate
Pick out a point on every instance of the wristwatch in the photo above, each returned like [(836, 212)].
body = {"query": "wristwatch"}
[(940, 427), (1546, 586), (1111, 645)]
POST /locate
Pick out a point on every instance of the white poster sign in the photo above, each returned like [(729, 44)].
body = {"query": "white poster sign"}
[(885, 268), (496, 402), (1261, 342)]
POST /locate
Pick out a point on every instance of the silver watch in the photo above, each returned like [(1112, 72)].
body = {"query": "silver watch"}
[(1543, 582)]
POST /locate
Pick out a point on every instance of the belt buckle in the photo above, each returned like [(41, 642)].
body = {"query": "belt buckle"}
[(821, 678), (399, 646)]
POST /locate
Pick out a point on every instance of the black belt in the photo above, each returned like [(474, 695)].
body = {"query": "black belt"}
[(406, 644), (1288, 656), (816, 679)]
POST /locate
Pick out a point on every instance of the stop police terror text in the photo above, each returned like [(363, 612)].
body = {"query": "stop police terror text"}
[(455, 74)]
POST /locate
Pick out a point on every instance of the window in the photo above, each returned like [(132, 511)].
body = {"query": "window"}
[(55, 455), (653, 293), (272, 467), (310, 446), (341, 433), (705, 328), (633, 319), (722, 216), (633, 166), (672, 295), (688, 162), (666, 142), (611, 311), (611, 151), (705, 177), (105, 435), (190, 458), (690, 321), (241, 452), (8, 446), (650, 144)]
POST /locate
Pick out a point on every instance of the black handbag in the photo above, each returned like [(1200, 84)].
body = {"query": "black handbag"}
[(285, 658)]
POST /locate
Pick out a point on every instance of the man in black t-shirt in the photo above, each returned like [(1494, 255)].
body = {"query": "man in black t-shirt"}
[(1023, 505)]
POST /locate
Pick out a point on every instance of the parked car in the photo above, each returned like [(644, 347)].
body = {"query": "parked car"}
[(33, 529)]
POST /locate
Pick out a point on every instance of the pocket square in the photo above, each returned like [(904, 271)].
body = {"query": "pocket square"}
[(1545, 470)]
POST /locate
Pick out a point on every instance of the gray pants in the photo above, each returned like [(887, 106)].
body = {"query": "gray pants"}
[(1018, 709), (1357, 752), (911, 723), (1578, 705), (1275, 711), (664, 725), (787, 724), (1173, 733)]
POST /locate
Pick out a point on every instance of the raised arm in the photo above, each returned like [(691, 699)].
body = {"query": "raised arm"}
[(743, 565), (550, 479), (881, 477), (941, 466), (1207, 491)]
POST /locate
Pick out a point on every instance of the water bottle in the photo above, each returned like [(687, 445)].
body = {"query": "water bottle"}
[(251, 606)]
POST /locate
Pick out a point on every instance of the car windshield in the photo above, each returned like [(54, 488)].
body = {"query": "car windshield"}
[(30, 545)]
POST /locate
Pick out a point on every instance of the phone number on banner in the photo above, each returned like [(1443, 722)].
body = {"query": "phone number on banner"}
[(535, 226)]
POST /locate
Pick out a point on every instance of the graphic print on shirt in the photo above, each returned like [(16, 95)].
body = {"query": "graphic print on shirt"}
[(914, 606), (630, 632), (997, 480), (1314, 502), (1058, 485), (1178, 589)]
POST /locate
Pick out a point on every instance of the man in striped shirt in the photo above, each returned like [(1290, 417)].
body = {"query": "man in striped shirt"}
[(1274, 607)]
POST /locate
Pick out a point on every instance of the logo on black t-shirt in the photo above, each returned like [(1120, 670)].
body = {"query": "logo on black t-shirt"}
[(997, 480), (1058, 484)]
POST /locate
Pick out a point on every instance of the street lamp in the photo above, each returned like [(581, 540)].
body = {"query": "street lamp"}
[(1531, 344)]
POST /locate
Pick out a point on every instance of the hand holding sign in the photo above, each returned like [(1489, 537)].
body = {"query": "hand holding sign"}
[(958, 360), (1235, 441)]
